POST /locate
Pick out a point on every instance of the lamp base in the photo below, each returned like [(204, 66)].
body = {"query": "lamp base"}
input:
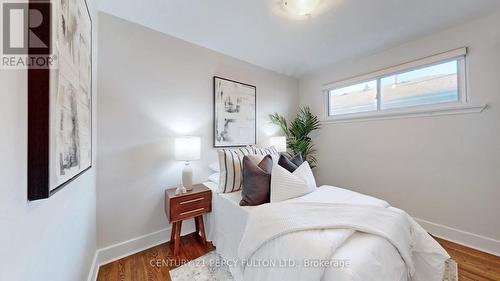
[(187, 177)]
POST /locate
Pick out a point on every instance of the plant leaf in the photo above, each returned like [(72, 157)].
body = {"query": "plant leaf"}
[(298, 131)]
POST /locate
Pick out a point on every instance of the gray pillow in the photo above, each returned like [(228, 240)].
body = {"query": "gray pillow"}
[(256, 181), (291, 164)]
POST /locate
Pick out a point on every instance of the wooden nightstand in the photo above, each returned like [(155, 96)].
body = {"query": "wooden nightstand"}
[(193, 204)]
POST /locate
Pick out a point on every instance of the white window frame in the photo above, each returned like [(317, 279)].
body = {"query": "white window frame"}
[(463, 104)]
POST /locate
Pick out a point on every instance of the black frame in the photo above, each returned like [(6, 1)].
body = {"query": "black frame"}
[(39, 123), (214, 126)]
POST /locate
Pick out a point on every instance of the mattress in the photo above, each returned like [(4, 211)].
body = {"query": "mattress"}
[(368, 257)]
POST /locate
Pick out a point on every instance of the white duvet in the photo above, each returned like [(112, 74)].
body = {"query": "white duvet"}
[(323, 235)]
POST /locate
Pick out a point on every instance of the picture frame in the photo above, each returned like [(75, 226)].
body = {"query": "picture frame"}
[(235, 106), (60, 101)]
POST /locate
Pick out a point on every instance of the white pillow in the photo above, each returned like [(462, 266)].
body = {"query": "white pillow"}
[(304, 172), (214, 178), (286, 185), (231, 165), (271, 150), (214, 167)]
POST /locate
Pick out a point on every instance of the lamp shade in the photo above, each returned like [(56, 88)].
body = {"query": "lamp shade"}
[(187, 148), (279, 143)]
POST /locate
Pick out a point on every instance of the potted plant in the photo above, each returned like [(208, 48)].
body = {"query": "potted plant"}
[(298, 133)]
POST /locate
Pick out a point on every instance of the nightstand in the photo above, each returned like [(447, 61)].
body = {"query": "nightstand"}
[(193, 204)]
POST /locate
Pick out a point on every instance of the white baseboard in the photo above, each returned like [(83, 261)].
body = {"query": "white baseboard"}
[(471, 240), (94, 268), (126, 248)]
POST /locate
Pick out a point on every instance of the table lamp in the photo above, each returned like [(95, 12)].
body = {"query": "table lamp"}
[(187, 149), (279, 143)]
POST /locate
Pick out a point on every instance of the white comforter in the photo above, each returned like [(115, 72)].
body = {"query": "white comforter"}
[(299, 239)]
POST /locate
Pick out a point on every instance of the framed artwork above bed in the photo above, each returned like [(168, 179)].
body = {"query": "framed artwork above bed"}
[(234, 113), (60, 100)]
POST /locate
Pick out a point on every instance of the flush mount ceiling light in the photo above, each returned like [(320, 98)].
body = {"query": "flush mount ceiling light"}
[(300, 7)]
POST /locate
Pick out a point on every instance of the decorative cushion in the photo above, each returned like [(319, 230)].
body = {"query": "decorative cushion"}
[(266, 151), (256, 181), (297, 159), (286, 185), (290, 164), (215, 177), (231, 165), (304, 172)]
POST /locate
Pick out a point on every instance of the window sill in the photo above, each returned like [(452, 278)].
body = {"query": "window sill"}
[(406, 113)]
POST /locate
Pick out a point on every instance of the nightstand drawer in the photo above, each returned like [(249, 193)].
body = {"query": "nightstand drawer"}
[(189, 213), (192, 200), (189, 205)]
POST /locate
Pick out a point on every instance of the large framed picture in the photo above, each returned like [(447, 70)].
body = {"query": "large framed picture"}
[(234, 113), (60, 102)]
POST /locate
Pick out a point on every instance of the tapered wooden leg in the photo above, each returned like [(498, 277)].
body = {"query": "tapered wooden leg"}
[(177, 239), (172, 232), (200, 228)]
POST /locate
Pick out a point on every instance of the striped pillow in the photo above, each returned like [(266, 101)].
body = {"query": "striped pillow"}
[(267, 151), (231, 167)]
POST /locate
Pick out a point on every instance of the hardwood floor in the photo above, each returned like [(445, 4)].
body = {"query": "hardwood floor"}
[(154, 264), (473, 265)]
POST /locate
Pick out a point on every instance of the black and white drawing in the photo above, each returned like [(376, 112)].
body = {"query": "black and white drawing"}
[(71, 104), (60, 102), (234, 113)]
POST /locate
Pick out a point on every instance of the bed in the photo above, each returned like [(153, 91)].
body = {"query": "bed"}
[(367, 256), (226, 225)]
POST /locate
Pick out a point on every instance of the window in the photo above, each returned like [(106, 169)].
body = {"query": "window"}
[(427, 85), (361, 97), (432, 82)]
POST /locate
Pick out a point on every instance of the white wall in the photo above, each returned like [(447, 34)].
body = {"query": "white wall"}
[(53, 239), (153, 87), (442, 169)]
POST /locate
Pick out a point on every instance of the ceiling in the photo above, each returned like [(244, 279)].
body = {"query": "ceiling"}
[(262, 33)]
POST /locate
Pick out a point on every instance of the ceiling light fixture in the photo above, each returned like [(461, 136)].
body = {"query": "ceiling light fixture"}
[(300, 7)]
